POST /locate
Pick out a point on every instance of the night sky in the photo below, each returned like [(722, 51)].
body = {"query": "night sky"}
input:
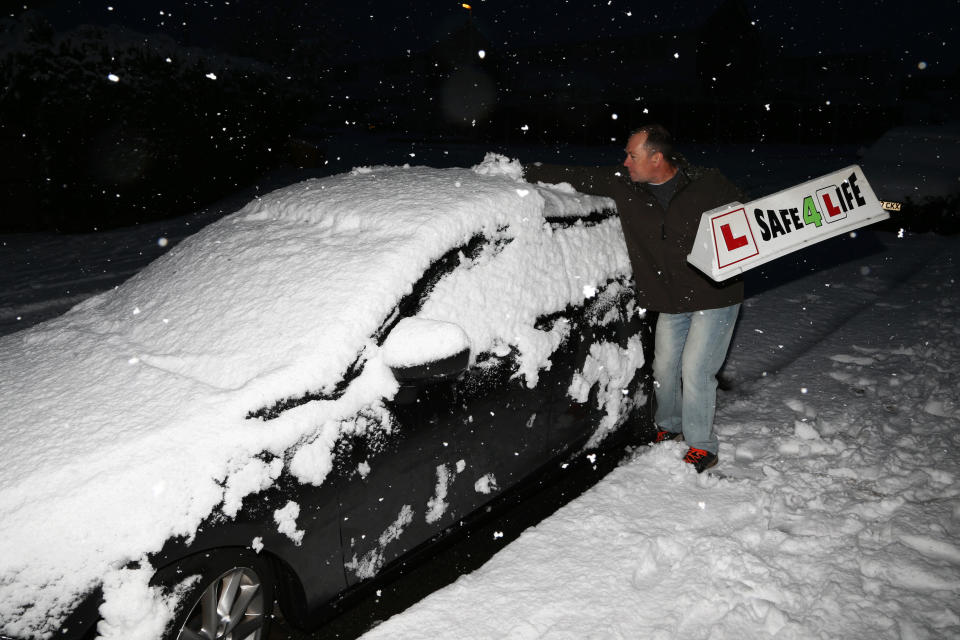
[(919, 32), (109, 110)]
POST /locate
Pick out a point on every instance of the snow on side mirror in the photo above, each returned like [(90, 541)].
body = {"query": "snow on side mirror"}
[(737, 237), (421, 349)]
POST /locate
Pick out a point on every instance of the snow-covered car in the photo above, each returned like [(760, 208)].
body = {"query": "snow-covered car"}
[(918, 163), (305, 392)]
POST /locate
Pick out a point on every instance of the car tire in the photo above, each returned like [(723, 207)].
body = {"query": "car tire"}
[(232, 600)]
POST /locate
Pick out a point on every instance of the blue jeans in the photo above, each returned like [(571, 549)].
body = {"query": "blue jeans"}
[(689, 349)]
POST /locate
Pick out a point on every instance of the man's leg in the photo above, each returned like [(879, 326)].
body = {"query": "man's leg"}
[(669, 338), (707, 342)]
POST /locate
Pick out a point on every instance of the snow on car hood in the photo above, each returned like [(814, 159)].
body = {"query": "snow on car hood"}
[(125, 420)]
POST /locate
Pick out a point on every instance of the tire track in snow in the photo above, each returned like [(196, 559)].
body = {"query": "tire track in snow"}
[(770, 339)]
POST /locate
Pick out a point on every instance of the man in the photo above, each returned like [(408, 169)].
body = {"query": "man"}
[(660, 202)]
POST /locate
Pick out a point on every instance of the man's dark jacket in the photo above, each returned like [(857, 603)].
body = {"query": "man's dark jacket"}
[(658, 241)]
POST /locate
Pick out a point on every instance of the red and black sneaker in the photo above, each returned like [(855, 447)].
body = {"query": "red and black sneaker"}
[(700, 459), (662, 435)]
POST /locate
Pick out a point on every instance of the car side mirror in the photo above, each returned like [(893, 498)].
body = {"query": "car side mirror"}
[(419, 349)]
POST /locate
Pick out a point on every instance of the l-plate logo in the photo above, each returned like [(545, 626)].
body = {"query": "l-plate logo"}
[(733, 238)]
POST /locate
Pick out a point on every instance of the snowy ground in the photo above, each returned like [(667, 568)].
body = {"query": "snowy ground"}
[(834, 513)]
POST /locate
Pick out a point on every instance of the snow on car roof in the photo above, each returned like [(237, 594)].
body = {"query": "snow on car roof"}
[(114, 415)]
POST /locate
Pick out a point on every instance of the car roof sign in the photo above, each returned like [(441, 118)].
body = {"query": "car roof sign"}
[(737, 237)]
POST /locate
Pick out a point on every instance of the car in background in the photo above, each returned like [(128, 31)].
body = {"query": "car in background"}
[(914, 162), (918, 166), (306, 393)]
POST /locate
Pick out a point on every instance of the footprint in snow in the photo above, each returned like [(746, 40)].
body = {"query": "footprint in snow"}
[(847, 359)]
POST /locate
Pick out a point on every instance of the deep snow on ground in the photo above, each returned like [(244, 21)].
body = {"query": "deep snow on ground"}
[(834, 512)]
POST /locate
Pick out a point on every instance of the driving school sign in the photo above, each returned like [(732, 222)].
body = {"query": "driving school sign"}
[(737, 237)]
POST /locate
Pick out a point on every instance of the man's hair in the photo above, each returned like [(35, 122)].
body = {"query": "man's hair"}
[(658, 139)]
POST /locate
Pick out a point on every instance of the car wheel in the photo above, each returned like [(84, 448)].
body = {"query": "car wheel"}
[(233, 600)]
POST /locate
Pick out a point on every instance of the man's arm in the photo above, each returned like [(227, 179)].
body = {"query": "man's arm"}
[(594, 180), (728, 192)]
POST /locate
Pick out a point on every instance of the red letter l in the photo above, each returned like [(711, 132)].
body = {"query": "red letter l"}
[(732, 243)]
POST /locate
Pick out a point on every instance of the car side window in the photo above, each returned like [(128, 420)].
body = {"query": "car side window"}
[(585, 219), (412, 302), (408, 306)]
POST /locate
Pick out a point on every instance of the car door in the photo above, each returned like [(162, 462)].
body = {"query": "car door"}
[(599, 377), (492, 426), (455, 442)]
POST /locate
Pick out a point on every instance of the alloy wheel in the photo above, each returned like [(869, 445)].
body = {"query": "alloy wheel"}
[(230, 608)]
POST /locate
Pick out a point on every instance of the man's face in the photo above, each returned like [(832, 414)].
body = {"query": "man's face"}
[(641, 163)]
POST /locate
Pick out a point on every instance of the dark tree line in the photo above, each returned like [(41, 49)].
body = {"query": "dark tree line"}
[(103, 127)]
